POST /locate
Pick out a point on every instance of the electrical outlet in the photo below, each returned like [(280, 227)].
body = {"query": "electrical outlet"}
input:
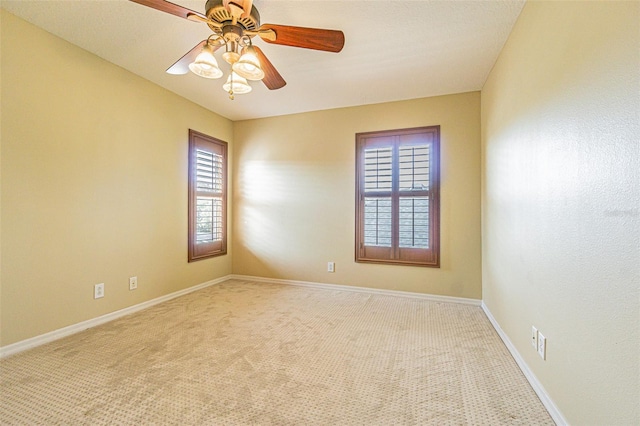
[(534, 338), (133, 283), (98, 291), (542, 346), (331, 267)]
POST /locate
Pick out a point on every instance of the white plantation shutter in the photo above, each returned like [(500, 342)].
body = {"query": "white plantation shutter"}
[(397, 218), (414, 222), (207, 196), (377, 221), (414, 168), (377, 169), (377, 210)]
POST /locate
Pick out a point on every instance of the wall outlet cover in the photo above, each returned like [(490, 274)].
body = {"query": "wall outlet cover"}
[(542, 346), (98, 291)]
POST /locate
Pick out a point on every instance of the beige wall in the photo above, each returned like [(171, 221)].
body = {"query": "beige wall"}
[(294, 196), (1, 179), (561, 202), (94, 185)]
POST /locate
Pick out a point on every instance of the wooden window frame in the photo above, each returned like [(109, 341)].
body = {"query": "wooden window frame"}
[(200, 251), (428, 257)]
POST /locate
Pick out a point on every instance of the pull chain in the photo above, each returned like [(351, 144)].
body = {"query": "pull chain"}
[(231, 87)]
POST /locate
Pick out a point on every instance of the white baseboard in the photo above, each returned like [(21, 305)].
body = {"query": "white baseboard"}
[(431, 297), (554, 412), (23, 345)]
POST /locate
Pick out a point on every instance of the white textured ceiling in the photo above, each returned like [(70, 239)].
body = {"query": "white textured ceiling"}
[(394, 50)]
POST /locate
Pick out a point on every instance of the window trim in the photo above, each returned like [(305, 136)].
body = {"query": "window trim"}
[(216, 248), (395, 254)]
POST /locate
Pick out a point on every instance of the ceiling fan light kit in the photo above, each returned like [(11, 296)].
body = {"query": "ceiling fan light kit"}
[(248, 66), (234, 23), (236, 85), (205, 64)]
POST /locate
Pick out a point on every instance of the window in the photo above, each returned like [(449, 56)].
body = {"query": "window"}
[(398, 196), (207, 196)]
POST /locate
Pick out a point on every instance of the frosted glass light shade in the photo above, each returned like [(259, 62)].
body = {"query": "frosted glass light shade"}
[(240, 85), (205, 64), (248, 66)]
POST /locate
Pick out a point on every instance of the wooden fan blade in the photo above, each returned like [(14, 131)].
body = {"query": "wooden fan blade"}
[(182, 65), (173, 9), (308, 38), (248, 4), (238, 8), (272, 78)]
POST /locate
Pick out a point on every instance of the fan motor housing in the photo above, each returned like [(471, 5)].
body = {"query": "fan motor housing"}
[(217, 13)]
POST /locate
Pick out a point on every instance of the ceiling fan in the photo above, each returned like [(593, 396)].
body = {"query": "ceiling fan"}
[(234, 23)]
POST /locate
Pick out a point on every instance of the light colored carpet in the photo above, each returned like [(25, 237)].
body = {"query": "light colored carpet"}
[(254, 353)]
